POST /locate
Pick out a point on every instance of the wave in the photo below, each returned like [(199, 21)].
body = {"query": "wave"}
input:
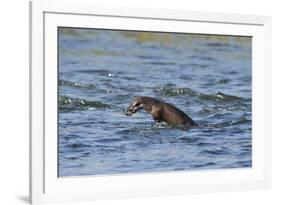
[(102, 72), (219, 97), (232, 123), (78, 145), (173, 91), (224, 46), (75, 84), (202, 58), (160, 63), (224, 124), (67, 103), (205, 165), (223, 81), (215, 152)]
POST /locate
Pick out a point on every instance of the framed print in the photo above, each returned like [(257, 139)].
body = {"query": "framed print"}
[(129, 102)]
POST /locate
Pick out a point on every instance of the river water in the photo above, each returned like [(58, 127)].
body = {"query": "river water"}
[(206, 76)]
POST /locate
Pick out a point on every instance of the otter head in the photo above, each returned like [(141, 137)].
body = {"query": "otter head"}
[(135, 106)]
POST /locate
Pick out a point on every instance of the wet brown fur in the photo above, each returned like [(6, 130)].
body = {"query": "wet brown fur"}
[(160, 111)]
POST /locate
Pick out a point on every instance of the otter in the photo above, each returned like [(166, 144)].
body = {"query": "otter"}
[(160, 111)]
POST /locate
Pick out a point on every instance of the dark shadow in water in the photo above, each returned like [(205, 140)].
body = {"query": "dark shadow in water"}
[(24, 199)]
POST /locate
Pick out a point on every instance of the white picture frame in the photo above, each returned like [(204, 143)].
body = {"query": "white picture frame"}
[(46, 187)]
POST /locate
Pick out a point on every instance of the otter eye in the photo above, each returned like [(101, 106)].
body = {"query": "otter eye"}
[(137, 104)]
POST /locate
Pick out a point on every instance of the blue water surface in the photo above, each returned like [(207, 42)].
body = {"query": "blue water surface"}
[(100, 72)]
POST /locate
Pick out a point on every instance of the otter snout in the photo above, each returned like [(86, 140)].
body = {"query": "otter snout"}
[(128, 112), (131, 111), (133, 108)]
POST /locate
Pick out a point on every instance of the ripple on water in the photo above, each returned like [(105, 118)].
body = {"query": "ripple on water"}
[(108, 140), (67, 103), (77, 146), (78, 85), (209, 77), (174, 91)]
